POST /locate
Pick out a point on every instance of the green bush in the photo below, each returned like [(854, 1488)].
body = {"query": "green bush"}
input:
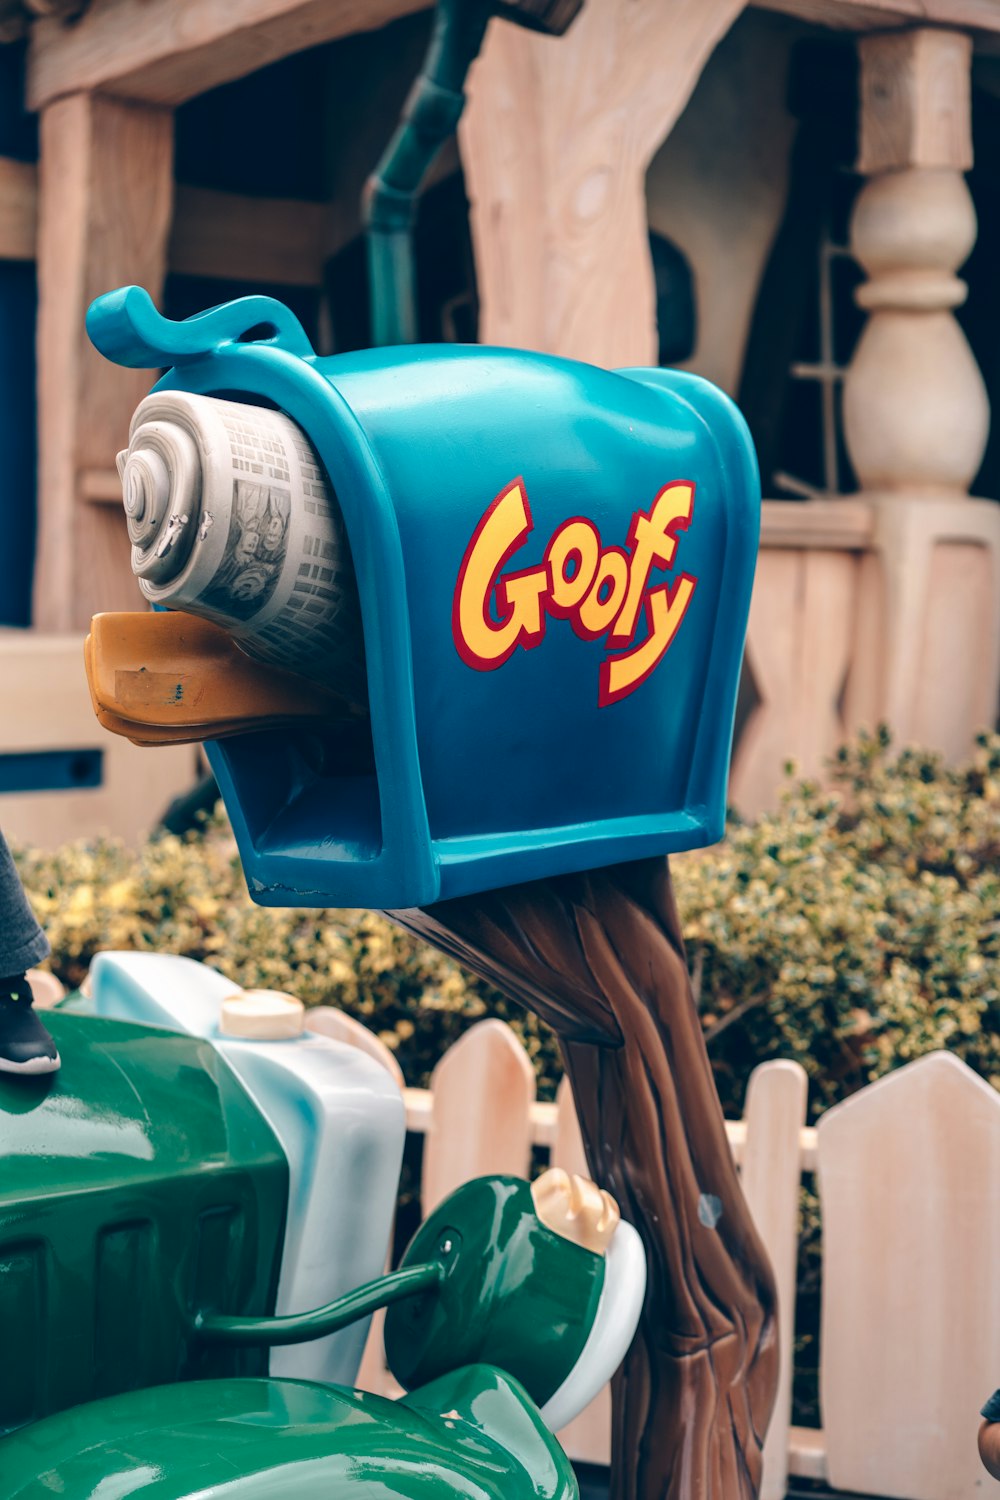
[(188, 896), (853, 929)]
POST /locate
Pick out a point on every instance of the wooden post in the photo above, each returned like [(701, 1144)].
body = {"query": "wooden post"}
[(911, 1320), (482, 1092), (555, 143), (105, 201), (916, 413), (775, 1114)]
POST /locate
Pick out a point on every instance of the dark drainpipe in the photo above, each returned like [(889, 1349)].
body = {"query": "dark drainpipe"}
[(430, 115)]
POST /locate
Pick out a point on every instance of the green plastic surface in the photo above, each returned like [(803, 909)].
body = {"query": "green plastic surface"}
[(512, 1292), (137, 1184), (473, 1434)]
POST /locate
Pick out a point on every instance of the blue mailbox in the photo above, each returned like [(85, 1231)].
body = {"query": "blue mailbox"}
[(554, 564)]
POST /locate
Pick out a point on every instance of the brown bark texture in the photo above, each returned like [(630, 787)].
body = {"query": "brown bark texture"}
[(600, 957)]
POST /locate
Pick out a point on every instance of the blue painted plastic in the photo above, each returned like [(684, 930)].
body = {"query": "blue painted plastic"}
[(17, 435), (18, 139), (50, 770), (483, 777)]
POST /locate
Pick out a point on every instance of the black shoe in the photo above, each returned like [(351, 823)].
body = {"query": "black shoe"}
[(25, 1045)]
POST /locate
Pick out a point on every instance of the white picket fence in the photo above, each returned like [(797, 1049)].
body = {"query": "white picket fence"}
[(909, 1182)]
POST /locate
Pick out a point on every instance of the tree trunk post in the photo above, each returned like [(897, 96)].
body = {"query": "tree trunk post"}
[(600, 957)]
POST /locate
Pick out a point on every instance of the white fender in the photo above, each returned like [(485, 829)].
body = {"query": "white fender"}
[(341, 1123)]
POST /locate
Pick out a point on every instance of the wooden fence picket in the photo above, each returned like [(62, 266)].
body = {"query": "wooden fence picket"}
[(482, 1091), (910, 1346), (46, 989), (588, 1437), (567, 1144), (775, 1112), (344, 1028)]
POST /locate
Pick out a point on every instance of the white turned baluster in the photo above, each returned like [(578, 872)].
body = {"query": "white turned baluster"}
[(916, 414)]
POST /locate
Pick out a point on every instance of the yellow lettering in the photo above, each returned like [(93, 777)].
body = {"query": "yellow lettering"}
[(665, 609), (595, 614), (601, 591), (579, 540), (652, 545), (482, 641)]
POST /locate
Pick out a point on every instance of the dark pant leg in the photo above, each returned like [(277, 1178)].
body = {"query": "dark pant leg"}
[(22, 941)]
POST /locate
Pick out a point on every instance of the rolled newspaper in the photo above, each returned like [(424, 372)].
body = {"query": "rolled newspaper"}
[(231, 516)]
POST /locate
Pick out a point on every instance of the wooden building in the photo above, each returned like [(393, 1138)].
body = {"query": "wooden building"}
[(779, 196)]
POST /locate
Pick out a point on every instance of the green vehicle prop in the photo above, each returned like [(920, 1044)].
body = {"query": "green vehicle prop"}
[(193, 1215)]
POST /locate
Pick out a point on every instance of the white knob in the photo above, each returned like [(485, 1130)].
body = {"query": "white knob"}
[(262, 1015)]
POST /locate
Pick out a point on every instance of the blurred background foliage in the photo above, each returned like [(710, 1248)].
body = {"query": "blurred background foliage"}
[(855, 929)]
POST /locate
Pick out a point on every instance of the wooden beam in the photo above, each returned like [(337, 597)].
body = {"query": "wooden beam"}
[(915, 102), (807, 1453), (18, 209), (224, 235), (166, 51), (105, 200), (248, 239), (879, 15), (837, 525), (544, 1118)]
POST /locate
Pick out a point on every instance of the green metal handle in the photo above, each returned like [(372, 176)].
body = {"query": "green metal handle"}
[(302, 1328)]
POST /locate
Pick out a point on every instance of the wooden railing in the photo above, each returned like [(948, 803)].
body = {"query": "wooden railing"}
[(51, 736), (813, 681), (907, 1177)]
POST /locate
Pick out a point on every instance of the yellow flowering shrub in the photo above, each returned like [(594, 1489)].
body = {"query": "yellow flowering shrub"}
[(854, 929), (188, 896)]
